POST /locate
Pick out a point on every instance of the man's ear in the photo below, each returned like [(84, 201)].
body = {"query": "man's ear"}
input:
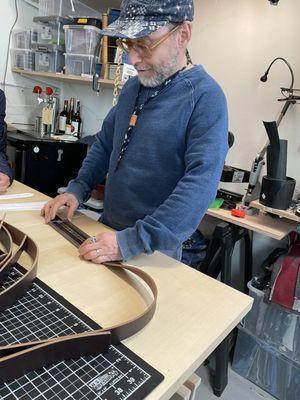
[(185, 33)]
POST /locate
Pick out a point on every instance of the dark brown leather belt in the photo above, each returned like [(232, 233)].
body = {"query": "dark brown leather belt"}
[(19, 359)]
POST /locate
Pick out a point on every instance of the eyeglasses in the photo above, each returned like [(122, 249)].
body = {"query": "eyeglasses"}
[(140, 47)]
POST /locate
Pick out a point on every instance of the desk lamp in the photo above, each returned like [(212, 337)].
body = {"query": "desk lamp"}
[(288, 98)]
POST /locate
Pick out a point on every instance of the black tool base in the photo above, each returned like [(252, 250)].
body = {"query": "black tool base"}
[(277, 193)]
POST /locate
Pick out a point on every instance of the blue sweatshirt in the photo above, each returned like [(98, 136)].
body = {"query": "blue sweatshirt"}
[(4, 166), (170, 171)]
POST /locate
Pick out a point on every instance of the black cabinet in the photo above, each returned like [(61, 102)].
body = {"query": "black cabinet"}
[(44, 164)]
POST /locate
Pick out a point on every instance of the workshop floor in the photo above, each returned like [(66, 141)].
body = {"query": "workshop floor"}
[(238, 388)]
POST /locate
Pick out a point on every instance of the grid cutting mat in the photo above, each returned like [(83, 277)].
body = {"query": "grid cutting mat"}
[(42, 313)]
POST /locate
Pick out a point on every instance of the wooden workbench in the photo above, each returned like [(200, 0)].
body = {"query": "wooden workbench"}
[(194, 312)]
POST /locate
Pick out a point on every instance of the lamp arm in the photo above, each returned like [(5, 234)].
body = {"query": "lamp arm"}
[(289, 67)]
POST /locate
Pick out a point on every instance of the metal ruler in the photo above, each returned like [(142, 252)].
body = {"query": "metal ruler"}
[(69, 231)]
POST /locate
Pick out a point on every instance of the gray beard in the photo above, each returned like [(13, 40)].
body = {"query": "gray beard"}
[(161, 73)]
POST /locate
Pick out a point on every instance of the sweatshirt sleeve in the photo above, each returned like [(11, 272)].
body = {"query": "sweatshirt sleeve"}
[(180, 214), (95, 165), (4, 165)]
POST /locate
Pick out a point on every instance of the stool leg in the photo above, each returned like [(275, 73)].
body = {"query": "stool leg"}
[(221, 372)]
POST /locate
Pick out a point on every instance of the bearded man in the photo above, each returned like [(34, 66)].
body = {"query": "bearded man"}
[(162, 147)]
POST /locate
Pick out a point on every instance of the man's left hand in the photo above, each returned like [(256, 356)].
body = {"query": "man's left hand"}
[(4, 182), (101, 248)]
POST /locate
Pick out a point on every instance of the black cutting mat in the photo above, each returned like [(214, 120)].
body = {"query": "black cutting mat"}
[(42, 313)]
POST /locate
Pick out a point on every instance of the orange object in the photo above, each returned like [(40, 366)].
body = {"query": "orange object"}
[(238, 213), (133, 120)]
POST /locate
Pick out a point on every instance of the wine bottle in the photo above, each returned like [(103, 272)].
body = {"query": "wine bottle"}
[(62, 120), (70, 117), (76, 121)]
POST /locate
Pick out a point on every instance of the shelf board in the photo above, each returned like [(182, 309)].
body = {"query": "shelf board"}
[(62, 77)]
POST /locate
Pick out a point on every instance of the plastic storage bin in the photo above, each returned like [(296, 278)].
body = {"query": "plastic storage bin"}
[(82, 39), (63, 8), (267, 350), (80, 64), (275, 325), (23, 59), (265, 366), (49, 61), (51, 33), (21, 39)]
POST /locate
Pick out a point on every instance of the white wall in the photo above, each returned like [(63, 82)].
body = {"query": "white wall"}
[(236, 40), (94, 108)]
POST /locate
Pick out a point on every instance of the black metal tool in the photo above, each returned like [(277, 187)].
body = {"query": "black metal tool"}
[(69, 231)]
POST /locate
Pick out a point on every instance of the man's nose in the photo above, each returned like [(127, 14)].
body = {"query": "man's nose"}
[(134, 57)]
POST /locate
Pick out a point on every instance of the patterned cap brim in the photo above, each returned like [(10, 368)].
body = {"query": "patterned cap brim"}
[(132, 28)]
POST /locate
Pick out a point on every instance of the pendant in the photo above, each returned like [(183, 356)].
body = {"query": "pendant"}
[(133, 120)]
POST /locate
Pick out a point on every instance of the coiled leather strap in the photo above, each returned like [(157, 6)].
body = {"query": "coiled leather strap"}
[(19, 359)]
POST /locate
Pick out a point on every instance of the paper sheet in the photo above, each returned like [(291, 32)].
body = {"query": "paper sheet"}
[(15, 196), (37, 205)]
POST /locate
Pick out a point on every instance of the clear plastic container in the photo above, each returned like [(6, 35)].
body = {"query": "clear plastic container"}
[(264, 365), (273, 324), (21, 38), (23, 59), (49, 61), (80, 64), (63, 8), (82, 39), (51, 33)]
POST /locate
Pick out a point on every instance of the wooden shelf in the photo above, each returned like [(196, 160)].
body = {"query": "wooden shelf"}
[(62, 77), (260, 223), (281, 213)]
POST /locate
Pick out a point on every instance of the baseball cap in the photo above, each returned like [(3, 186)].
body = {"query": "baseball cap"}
[(140, 18)]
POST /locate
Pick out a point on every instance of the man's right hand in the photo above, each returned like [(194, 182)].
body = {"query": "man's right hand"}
[(50, 209)]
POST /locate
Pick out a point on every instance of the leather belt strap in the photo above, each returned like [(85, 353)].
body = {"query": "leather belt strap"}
[(19, 359)]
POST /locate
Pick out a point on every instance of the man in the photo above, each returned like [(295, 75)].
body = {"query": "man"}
[(163, 146), (5, 170)]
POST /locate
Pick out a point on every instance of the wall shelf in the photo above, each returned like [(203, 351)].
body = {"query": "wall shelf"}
[(62, 77)]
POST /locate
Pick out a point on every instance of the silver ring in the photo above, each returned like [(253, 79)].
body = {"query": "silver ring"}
[(97, 251), (93, 239)]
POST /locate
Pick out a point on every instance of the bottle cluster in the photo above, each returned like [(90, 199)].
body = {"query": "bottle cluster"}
[(70, 122)]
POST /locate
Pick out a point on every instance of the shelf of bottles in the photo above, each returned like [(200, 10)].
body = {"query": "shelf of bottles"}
[(69, 120), (63, 77)]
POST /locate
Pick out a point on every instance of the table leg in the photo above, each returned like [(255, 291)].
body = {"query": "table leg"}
[(248, 259), (221, 372), (224, 238)]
